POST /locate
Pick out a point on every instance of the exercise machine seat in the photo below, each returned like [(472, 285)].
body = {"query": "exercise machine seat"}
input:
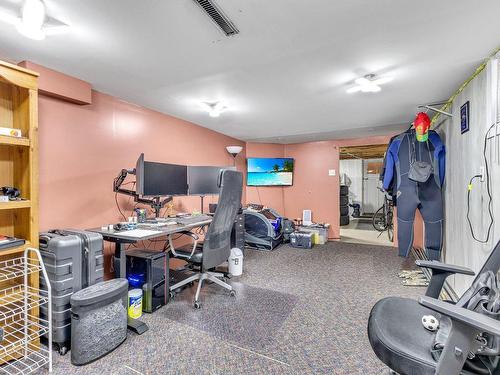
[(398, 338)]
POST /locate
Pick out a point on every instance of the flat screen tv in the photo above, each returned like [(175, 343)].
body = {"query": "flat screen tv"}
[(269, 171)]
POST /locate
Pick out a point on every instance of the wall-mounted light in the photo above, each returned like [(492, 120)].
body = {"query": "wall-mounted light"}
[(214, 109), (369, 83), (32, 20)]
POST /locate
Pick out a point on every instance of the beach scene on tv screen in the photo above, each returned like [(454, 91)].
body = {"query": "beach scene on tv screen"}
[(270, 171)]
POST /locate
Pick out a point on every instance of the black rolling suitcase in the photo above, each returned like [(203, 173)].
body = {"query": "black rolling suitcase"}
[(74, 260)]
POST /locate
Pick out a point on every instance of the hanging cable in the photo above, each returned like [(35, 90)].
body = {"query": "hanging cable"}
[(488, 190)]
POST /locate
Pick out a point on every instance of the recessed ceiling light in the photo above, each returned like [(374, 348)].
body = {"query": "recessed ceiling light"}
[(369, 83), (214, 109), (32, 20)]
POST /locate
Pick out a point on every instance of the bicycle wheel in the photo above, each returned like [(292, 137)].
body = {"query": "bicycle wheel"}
[(378, 220)]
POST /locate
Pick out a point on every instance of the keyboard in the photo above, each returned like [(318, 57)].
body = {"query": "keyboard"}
[(162, 224), (187, 220)]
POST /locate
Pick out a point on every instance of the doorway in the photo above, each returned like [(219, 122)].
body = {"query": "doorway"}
[(360, 168), (372, 197)]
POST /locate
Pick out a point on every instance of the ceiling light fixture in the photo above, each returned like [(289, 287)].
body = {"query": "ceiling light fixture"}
[(369, 83), (214, 109), (32, 20)]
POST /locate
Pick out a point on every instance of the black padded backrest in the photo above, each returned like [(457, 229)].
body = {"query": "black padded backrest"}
[(492, 264), (217, 244)]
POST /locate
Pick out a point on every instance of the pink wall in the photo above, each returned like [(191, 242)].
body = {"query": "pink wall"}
[(272, 196), (312, 187), (82, 148)]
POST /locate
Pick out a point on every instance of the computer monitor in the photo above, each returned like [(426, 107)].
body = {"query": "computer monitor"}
[(204, 180), (160, 179)]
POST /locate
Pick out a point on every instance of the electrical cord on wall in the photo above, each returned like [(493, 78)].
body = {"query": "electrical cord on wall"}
[(118, 205), (488, 190)]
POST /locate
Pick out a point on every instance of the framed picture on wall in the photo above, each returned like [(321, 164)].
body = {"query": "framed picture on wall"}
[(464, 117)]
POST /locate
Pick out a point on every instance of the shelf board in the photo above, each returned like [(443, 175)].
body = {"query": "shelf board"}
[(15, 250), (15, 204), (14, 141)]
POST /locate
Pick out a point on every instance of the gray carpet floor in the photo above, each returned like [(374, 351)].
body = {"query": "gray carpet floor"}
[(295, 312)]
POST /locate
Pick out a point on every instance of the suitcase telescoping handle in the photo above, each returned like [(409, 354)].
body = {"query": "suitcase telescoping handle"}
[(87, 262)]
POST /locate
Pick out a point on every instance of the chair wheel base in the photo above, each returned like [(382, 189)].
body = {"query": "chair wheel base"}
[(232, 293), (197, 305)]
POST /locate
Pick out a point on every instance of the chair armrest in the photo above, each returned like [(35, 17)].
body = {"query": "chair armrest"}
[(470, 318), (440, 266), (440, 271), (195, 238), (466, 325)]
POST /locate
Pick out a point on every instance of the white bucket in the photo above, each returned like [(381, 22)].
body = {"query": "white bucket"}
[(135, 303), (236, 262)]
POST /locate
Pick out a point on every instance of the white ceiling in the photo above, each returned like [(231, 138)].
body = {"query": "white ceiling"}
[(285, 75)]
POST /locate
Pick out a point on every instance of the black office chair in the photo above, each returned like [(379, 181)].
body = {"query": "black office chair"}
[(216, 247), (468, 339)]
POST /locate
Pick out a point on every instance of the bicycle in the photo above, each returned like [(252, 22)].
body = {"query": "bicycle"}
[(382, 219)]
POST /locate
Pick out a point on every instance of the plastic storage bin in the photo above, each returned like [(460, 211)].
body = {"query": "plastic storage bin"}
[(301, 240), (320, 234), (98, 320)]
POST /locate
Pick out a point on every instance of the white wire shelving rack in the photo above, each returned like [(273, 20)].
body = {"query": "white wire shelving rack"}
[(20, 329)]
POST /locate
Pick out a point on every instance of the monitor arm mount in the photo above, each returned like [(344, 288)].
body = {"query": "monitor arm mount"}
[(156, 203)]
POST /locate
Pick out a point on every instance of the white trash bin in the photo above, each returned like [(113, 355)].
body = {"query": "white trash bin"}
[(236, 262)]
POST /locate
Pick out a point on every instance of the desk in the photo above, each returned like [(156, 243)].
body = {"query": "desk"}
[(120, 239)]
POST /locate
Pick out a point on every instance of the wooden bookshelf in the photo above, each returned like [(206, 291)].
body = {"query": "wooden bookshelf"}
[(19, 164)]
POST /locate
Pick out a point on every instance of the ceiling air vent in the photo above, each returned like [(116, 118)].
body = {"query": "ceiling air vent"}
[(217, 16)]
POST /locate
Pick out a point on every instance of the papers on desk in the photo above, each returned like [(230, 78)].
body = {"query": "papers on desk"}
[(139, 233)]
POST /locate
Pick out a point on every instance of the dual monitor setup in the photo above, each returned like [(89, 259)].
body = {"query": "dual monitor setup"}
[(155, 180)]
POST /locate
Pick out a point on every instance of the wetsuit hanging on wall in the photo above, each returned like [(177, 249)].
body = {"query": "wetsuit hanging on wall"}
[(416, 160)]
